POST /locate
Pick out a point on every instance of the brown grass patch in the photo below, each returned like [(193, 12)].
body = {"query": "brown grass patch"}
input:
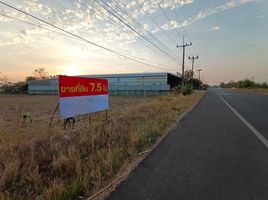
[(57, 164), (253, 90)]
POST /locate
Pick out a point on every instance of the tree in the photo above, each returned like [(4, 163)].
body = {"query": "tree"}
[(246, 83), (30, 78), (188, 75), (196, 83), (41, 73), (222, 84), (3, 80), (188, 79), (264, 85)]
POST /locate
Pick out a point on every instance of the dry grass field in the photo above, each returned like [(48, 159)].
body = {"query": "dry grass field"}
[(38, 162), (43, 107), (254, 90)]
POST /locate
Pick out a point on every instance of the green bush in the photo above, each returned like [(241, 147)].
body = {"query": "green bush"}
[(187, 89)]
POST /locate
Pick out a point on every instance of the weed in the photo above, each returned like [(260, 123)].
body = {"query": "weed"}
[(52, 164)]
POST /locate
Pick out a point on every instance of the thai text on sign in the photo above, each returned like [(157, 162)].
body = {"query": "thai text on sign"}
[(80, 95)]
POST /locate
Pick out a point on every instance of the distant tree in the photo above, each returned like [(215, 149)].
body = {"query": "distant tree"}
[(196, 83), (30, 78), (205, 86), (222, 84), (3, 81), (188, 79), (264, 85), (188, 75), (21, 86), (41, 73), (246, 83)]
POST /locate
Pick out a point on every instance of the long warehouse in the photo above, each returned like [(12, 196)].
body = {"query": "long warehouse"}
[(119, 84)]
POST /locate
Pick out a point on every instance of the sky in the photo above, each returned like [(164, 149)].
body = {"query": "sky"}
[(229, 36)]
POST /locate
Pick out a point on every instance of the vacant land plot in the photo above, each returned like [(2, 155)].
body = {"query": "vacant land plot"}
[(43, 107), (38, 162), (254, 90)]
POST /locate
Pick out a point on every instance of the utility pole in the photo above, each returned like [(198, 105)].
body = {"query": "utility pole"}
[(193, 59), (199, 70), (183, 58)]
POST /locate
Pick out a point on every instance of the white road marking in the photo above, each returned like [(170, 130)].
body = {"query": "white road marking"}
[(252, 128)]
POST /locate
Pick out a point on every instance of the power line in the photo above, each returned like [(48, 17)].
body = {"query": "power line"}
[(112, 22), (193, 59), (76, 36), (115, 23), (119, 18), (139, 26), (185, 32), (155, 22), (36, 25), (183, 58), (166, 15), (199, 70)]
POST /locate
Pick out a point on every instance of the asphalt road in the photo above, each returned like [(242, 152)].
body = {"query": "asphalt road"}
[(213, 153)]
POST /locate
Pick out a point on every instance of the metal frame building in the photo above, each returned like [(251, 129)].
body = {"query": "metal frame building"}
[(119, 84)]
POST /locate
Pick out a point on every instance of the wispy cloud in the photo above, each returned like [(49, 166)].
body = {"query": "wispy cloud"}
[(216, 28), (260, 16), (208, 12), (91, 22)]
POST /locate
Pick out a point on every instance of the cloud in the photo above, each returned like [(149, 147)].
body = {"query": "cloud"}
[(211, 11), (88, 20), (260, 16), (152, 6), (216, 28), (208, 12), (91, 22)]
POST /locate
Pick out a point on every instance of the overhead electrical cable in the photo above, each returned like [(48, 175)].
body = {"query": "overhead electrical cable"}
[(139, 26), (155, 22), (183, 28), (119, 17), (79, 37), (114, 22), (122, 19), (36, 25), (166, 15)]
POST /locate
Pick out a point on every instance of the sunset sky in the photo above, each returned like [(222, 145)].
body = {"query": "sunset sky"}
[(229, 36)]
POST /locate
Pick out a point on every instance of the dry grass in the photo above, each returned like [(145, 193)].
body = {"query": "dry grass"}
[(254, 90), (56, 164)]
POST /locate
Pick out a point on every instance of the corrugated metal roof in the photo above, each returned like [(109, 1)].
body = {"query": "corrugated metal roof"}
[(127, 74)]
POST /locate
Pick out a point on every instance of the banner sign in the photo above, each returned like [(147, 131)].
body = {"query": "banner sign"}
[(80, 96)]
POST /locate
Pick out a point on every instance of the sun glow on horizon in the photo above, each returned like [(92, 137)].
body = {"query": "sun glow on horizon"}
[(71, 70)]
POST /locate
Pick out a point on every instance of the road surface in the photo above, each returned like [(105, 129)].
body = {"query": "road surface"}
[(218, 151)]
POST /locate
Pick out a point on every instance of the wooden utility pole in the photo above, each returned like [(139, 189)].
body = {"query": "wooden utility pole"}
[(199, 70), (183, 58), (193, 59)]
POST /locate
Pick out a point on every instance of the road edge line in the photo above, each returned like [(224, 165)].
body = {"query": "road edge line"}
[(250, 127)]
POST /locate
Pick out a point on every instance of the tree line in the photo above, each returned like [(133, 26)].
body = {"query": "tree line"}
[(246, 83), (22, 86)]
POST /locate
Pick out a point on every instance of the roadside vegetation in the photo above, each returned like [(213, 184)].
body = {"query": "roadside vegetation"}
[(247, 85), (190, 84), (42, 163), (21, 87)]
